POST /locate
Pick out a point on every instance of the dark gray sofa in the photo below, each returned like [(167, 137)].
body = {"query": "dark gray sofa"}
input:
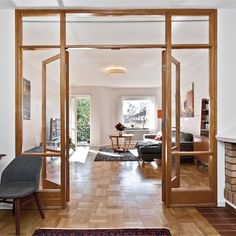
[(149, 149)]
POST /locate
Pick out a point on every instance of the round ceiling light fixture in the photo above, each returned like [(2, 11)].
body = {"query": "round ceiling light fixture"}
[(115, 71)]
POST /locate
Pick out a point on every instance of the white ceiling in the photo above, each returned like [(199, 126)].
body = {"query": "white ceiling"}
[(117, 3), (87, 67)]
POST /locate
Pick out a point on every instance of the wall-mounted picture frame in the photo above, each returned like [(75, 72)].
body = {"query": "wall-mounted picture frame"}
[(26, 99), (187, 100)]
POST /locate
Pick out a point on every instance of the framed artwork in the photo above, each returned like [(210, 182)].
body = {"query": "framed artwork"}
[(26, 99), (187, 100)]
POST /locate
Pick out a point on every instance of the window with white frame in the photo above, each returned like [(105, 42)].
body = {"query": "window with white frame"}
[(138, 113)]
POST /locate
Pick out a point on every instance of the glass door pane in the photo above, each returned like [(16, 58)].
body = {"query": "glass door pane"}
[(33, 98), (190, 109), (41, 30), (182, 29), (104, 30), (194, 113)]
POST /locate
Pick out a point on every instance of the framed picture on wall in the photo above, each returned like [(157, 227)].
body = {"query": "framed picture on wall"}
[(187, 100), (26, 99)]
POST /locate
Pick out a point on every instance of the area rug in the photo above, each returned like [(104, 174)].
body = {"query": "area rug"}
[(107, 154), (103, 232)]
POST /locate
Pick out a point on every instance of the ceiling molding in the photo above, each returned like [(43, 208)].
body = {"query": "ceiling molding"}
[(7, 4), (115, 4)]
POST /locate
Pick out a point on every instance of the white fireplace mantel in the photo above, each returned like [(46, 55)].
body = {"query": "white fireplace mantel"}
[(228, 136)]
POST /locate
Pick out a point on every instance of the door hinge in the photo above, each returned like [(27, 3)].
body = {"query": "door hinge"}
[(163, 123)]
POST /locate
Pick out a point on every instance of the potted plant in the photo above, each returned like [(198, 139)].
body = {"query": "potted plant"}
[(71, 144), (120, 127)]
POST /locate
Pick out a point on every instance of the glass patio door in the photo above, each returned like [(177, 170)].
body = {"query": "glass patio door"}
[(73, 120)]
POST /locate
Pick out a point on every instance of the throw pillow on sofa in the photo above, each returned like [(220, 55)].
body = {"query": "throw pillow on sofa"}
[(158, 138)]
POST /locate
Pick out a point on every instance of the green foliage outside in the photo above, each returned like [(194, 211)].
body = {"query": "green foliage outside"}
[(83, 120)]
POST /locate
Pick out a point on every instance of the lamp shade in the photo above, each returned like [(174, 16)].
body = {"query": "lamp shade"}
[(159, 114)]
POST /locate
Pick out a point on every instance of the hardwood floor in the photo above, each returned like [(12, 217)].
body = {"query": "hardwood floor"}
[(111, 195)]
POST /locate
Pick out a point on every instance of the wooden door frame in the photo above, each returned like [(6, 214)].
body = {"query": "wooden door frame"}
[(168, 46)]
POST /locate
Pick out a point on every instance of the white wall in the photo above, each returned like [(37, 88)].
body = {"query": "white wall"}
[(226, 85), (105, 108), (226, 69), (7, 86), (106, 116)]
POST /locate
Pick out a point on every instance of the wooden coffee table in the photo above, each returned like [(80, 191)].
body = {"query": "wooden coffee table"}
[(120, 143)]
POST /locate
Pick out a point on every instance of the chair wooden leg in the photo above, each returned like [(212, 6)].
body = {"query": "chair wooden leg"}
[(36, 196), (17, 215), (13, 208)]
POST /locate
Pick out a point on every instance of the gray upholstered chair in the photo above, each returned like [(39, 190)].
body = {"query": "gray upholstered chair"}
[(21, 179)]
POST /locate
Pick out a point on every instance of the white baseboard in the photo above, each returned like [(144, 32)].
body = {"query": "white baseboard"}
[(230, 203)]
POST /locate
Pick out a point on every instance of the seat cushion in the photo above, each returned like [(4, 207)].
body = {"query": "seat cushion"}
[(16, 189)]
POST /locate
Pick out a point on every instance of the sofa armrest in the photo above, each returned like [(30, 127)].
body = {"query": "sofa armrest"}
[(149, 136)]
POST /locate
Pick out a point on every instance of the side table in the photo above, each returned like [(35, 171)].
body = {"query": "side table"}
[(121, 143)]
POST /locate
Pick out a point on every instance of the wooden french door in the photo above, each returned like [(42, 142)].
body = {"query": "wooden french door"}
[(175, 91), (182, 183), (57, 149), (46, 182)]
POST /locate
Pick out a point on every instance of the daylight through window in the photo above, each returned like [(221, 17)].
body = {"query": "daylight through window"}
[(138, 113)]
